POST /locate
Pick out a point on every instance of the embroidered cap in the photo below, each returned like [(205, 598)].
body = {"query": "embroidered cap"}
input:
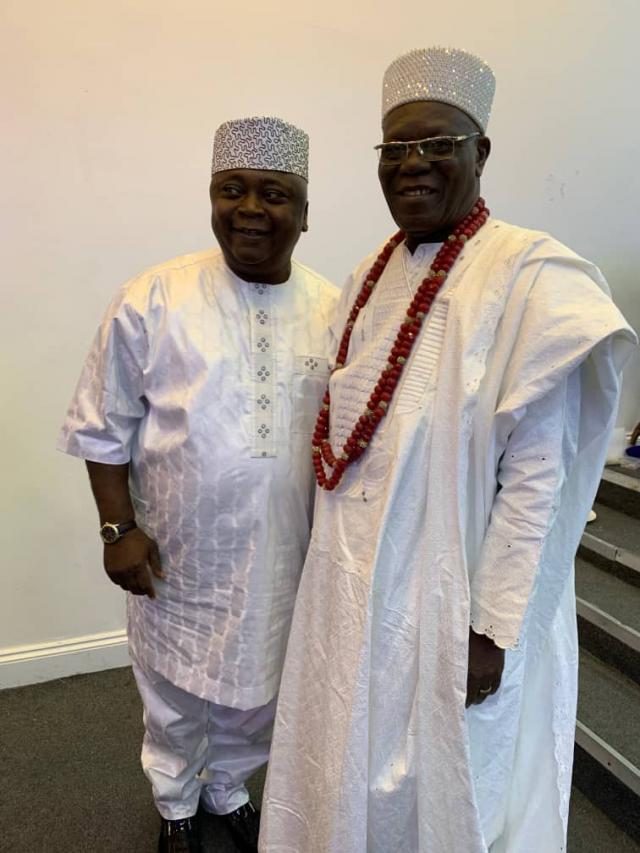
[(261, 142), (443, 74)]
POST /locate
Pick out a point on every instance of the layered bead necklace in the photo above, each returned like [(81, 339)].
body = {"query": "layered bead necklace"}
[(382, 394)]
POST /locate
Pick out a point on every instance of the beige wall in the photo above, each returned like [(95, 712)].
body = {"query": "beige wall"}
[(104, 171)]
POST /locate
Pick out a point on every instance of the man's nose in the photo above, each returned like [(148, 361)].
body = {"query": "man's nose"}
[(415, 162), (251, 205)]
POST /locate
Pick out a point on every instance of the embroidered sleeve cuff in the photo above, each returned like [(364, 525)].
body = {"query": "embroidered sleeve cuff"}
[(504, 633)]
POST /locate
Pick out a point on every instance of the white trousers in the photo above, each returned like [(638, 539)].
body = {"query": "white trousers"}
[(194, 750)]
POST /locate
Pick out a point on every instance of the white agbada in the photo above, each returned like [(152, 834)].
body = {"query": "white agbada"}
[(467, 508), (210, 386)]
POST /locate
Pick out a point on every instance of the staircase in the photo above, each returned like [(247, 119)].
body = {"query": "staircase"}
[(605, 816)]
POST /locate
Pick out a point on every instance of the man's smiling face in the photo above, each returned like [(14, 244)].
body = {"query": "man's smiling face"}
[(428, 199), (257, 217)]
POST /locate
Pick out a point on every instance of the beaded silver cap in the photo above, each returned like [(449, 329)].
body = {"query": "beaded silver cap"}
[(443, 74), (261, 142)]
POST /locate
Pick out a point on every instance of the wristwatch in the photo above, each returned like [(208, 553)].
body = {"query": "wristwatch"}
[(111, 532)]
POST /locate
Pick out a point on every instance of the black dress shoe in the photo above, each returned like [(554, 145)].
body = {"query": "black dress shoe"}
[(244, 827), (179, 836)]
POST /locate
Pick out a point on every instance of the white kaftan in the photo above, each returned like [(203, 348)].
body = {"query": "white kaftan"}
[(209, 386), (467, 508)]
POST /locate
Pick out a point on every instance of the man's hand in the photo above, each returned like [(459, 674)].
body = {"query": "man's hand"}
[(131, 561), (486, 662), (635, 435)]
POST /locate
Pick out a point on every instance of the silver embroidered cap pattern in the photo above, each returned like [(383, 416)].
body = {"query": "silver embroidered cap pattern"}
[(443, 74), (261, 142)]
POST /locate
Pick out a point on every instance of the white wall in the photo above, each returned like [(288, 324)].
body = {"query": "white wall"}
[(105, 163)]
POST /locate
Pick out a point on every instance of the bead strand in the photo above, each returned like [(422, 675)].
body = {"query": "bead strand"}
[(382, 394)]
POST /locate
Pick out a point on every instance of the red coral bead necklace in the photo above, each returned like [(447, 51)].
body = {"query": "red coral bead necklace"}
[(382, 394)]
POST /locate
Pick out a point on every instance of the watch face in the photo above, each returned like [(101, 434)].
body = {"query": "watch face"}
[(109, 533)]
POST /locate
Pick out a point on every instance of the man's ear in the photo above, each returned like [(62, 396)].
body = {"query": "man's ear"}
[(483, 149), (305, 217)]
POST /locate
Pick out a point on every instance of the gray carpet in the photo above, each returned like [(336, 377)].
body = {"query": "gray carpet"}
[(70, 774), (71, 781)]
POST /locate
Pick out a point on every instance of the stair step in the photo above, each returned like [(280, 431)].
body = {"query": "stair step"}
[(609, 796), (602, 644), (608, 704), (626, 772), (620, 488), (608, 593), (626, 475), (591, 831), (608, 618), (607, 751), (614, 539)]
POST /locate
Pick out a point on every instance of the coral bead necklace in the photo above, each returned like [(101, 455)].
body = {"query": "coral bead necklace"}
[(382, 394)]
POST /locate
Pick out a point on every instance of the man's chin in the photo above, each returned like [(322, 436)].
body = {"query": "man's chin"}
[(426, 228), (418, 228), (253, 259), (250, 267)]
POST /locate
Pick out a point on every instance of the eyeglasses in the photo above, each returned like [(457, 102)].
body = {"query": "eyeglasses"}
[(431, 149)]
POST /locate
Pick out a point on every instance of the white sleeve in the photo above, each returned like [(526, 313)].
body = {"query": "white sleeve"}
[(109, 400), (531, 474)]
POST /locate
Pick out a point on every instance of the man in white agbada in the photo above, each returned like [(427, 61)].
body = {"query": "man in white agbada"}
[(460, 448), (194, 413)]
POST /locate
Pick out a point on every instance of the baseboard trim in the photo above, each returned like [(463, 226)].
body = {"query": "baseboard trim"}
[(22, 665)]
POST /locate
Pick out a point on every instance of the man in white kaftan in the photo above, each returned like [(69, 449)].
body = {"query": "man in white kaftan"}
[(202, 387), (452, 538)]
